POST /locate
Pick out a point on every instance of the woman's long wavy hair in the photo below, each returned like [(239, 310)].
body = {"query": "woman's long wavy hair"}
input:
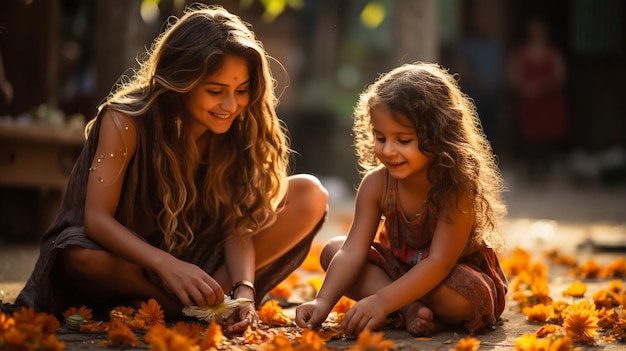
[(448, 130), (245, 167)]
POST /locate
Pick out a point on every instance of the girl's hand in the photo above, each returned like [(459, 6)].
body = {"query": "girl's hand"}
[(312, 314), (243, 317), (191, 284), (367, 313)]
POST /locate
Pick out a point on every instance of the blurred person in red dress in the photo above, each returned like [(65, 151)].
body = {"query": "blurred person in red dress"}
[(537, 74)]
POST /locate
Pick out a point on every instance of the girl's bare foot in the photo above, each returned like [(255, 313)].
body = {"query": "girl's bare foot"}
[(420, 320)]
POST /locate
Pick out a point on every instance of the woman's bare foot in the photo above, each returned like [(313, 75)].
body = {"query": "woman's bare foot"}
[(419, 320)]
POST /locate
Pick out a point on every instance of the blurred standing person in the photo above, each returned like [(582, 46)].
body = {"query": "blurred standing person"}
[(537, 73)]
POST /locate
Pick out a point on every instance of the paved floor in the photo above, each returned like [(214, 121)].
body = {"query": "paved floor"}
[(553, 214)]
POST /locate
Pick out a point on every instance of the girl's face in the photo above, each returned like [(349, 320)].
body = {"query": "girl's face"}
[(216, 102), (396, 144)]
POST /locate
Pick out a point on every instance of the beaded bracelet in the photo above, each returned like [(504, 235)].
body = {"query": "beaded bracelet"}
[(242, 283)]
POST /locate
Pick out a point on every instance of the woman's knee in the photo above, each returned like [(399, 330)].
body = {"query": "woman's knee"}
[(80, 261), (309, 194), (329, 250)]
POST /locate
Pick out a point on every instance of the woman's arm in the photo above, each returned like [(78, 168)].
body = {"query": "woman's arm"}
[(240, 263), (116, 147)]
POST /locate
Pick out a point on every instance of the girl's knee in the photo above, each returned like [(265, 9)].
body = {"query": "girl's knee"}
[(329, 250)]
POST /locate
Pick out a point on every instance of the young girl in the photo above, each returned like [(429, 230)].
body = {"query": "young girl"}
[(431, 175), (181, 192)]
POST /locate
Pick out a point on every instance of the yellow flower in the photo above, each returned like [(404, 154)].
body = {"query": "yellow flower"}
[(6, 323), (312, 261), (576, 289), (120, 335), (151, 313), (51, 343), (278, 343), (546, 330), (161, 338), (589, 269), (310, 340), (281, 290), (580, 321), (368, 341), (343, 305), (213, 337), (615, 286), (605, 298), (467, 344), (272, 314), (125, 310), (537, 313), (615, 269), (530, 342), (561, 343)]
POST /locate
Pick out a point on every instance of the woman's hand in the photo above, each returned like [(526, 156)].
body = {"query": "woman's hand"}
[(243, 317), (367, 313), (191, 284), (312, 314)]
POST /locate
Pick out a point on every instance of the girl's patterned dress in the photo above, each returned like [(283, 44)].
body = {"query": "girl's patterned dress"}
[(477, 276)]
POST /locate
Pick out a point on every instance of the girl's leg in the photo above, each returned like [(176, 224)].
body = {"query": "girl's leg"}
[(104, 277), (305, 206), (446, 304)]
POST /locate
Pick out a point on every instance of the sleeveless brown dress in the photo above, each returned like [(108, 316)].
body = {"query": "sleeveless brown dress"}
[(477, 276), (46, 289)]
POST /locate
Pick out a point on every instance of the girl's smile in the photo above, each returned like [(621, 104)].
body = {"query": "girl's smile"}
[(396, 144)]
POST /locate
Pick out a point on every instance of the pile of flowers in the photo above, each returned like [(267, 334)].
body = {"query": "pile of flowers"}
[(573, 318)]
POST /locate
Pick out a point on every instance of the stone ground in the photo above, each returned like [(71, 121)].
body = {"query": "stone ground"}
[(586, 220)]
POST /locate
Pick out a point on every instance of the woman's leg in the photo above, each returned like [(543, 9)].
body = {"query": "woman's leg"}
[(104, 277)]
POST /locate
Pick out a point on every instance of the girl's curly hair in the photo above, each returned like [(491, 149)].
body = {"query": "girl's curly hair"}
[(448, 130)]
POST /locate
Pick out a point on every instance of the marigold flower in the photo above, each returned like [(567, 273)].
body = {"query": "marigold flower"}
[(120, 335), (607, 318), (272, 314), (615, 269), (468, 343), (161, 338), (6, 322), (191, 330), (530, 342), (125, 310), (605, 298), (82, 310), (561, 343), (151, 313), (278, 343), (537, 313), (546, 330), (281, 290), (580, 321), (576, 289), (589, 269), (368, 341), (50, 342), (343, 305), (615, 286), (213, 337), (310, 340), (312, 261), (316, 283)]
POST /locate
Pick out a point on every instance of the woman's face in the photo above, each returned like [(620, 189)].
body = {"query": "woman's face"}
[(216, 101)]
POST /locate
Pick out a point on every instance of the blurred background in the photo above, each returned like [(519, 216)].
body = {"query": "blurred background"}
[(547, 78)]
